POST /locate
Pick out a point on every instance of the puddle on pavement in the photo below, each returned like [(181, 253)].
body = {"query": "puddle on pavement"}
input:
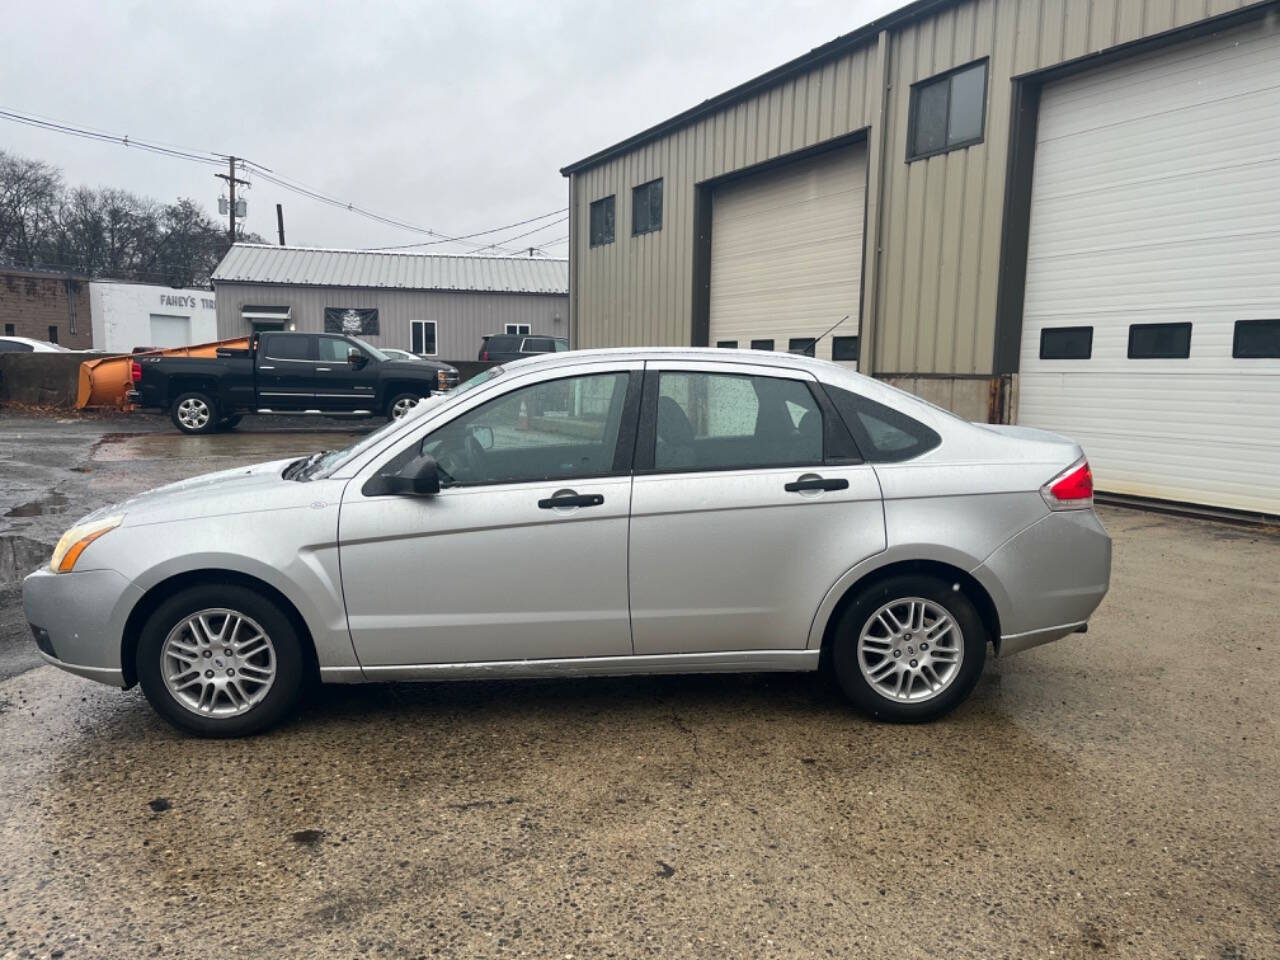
[(38, 508), (240, 447)]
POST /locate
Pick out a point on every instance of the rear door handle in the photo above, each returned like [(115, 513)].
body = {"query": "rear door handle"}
[(814, 482), (324, 369), (571, 500)]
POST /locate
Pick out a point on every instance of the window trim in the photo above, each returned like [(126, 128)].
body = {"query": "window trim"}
[(938, 78), (517, 332), (1073, 329), (1145, 356), (613, 235), (857, 351), (1235, 339), (435, 334), (646, 186)]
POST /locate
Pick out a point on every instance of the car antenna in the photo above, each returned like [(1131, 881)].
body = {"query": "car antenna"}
[(830, 328)]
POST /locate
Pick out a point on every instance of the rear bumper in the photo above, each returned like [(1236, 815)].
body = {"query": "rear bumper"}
[(78, 620), (1048, 580)]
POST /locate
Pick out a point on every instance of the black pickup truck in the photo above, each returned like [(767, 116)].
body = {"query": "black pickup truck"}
[(284, 373)]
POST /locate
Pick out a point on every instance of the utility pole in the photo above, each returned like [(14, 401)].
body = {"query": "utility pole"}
[(280, 221), (232, 180)]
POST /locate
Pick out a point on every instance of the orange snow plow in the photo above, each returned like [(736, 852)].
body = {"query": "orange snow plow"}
[(105, 381)]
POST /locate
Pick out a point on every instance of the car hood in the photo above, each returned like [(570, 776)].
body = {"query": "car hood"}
[(248, 489)]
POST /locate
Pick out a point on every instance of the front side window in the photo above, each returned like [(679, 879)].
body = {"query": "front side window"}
[(948, 112), (555, 430), (602, 221), (334, 349), (646, 207), (883, 435), (1159, 341), (722, 421), (287, 347), (423, 337)]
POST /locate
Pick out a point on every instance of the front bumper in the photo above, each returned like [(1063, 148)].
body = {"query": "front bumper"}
[(1047, 581), (79, 620)]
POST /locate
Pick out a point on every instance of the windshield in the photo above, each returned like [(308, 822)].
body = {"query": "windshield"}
[(322, 465), (369, 349)]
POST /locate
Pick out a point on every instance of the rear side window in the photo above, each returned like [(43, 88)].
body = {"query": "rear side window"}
[(883, 435), (1159, 341), (1256, 338), (285, 347), (501, 343), (9, 346), (539, 345)]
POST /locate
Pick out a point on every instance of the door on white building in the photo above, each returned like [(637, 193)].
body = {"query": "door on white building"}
[(169, 331)]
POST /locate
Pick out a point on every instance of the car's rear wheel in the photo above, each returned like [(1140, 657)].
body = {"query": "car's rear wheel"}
[(220, 660), (909, 649), (195, 412), (401, 404)]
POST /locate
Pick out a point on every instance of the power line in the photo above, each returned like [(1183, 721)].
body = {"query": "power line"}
[(479, 233), (527, 233), (266, 173)]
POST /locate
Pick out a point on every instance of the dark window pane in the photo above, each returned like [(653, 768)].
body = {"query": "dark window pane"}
[(8, 346), (930, 118), (334, 350), (602, 221), (1256, 338), (804, 346), (646, 207), (727, 344), (883, 435), (9, 329), (538, 345), (713, 421), (968, 94), (1066, 343), (424, 337), (1159, 341), (844, 348), (287, 347), (761, 344), (53, 334)]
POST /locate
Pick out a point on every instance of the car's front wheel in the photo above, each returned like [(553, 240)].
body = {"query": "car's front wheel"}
[(220, 660), (401, 404), (195, 412), (909, 649)]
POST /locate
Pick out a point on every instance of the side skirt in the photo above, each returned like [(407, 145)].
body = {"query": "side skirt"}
[(743, 661)]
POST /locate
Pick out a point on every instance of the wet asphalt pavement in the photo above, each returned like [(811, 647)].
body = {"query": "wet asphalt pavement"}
[(1110, 795)]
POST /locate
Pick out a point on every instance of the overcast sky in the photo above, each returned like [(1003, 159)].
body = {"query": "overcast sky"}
[(454, 116)]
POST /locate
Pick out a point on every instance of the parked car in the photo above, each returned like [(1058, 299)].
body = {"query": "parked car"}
[(28, 345), (646, 511), (504, 347), (285, 373)]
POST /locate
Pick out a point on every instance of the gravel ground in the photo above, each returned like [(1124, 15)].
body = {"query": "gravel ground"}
[(1110, 795)]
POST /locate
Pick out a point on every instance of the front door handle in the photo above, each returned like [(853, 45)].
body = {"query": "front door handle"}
[(811, 481), (571, 499), (324, 369)]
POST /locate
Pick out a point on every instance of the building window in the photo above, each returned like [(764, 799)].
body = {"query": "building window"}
[(1066, 343), (844, 348), (53, 334), (948, 112), (517, 329), (9, 330), (602, 222), (804, 346), (1159, 341), (423, 337), (761, 344), (1256, 338), (646, 207), (727, 344)]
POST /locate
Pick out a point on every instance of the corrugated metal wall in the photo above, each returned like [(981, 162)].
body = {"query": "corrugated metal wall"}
[(933, 299), (461, 318)]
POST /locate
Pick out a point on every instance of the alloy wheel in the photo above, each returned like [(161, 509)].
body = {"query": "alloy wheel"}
[(910, 649), (402, 407), (194, 413), (218, 662)]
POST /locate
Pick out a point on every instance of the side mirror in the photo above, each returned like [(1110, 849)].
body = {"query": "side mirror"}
[(483, 435), (356, 357), (420, 477)]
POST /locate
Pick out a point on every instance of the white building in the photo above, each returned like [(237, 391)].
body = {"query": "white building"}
[(130, 315)]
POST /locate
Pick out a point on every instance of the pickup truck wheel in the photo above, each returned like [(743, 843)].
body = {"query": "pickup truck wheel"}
[(401, 404), (195, 413)]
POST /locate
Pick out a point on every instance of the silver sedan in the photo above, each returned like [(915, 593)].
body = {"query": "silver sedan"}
[(599, 512)]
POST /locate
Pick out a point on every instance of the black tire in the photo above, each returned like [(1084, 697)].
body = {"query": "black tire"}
[(231, 422), (194, 413), (844, 652), (398, 399), (290, 661)]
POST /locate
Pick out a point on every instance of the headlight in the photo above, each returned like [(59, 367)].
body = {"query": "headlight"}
[(74, 541)]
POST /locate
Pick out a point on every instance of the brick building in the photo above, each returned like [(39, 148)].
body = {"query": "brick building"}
[(46, 305)]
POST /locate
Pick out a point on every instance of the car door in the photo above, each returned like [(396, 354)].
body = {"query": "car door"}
[(341, 384), (749, 502), (522, 555), (286, 371)]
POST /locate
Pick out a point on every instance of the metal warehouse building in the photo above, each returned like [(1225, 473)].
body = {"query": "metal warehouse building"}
[(439, 306), (1061, 213)]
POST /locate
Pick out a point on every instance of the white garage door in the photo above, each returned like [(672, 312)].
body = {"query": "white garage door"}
[(786, 254), (1154, 266), (169, 331)]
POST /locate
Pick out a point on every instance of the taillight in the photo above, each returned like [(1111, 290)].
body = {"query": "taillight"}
[(135, 371), (1070, 490), (484, 355)]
